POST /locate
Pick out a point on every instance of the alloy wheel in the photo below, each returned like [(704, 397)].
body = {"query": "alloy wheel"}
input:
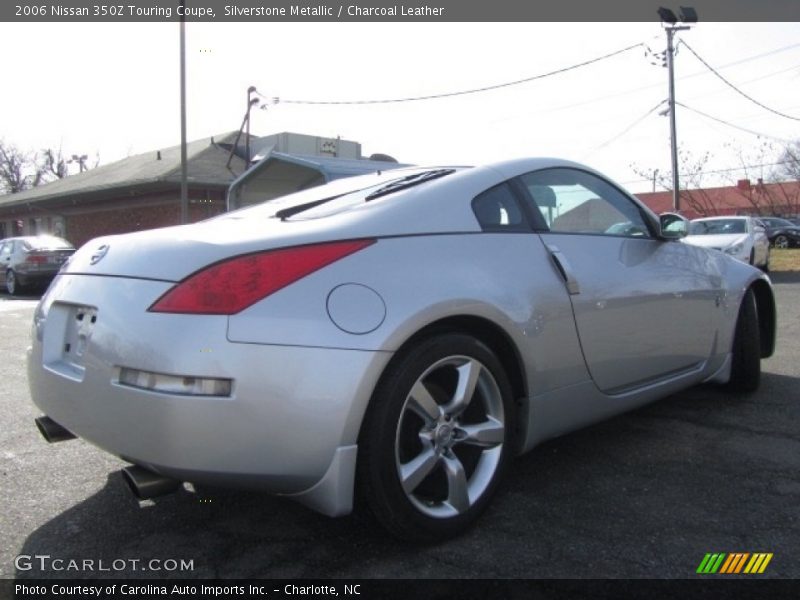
[(450, 436)]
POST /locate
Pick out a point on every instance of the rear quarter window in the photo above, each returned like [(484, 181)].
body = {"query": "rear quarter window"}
[(497, 209)]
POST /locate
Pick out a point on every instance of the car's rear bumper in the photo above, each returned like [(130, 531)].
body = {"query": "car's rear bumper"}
[(290, 411), (35, 277)]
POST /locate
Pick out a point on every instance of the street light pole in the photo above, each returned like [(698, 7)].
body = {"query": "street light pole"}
[(676, 197), (687, 15)]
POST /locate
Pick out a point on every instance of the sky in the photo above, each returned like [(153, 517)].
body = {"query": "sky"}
[(113, 89)]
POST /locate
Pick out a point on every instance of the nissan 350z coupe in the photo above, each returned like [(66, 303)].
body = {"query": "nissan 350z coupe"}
[(399, 335)]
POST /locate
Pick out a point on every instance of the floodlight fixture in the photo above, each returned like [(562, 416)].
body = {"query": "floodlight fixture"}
[(667, 15), (688, 14)]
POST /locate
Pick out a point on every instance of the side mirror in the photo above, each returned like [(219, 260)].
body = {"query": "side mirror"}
[(673, 226)]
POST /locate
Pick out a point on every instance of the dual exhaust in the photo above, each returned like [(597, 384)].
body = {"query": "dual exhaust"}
[(143, 483), (52, 431)]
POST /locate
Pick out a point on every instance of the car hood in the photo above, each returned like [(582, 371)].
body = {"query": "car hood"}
[(720, 240)]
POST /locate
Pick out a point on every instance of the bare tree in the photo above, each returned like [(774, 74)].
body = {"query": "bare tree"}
[(788, 167), (770, 187), (18, 170), (54, 163), (692, 194)]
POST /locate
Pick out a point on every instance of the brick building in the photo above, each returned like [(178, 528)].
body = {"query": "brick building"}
[(138, 192), (143, 191), (745, 198)]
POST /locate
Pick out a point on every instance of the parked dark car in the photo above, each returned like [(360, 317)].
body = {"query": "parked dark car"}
[(31, 261), (782, 233)]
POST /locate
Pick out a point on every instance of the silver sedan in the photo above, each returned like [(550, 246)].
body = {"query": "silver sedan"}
[(399, 335)]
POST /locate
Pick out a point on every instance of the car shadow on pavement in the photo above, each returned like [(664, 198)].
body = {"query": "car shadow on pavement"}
[(641, 495), (225, 533)]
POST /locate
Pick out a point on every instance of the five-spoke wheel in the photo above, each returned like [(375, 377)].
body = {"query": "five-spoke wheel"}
[(436, 437), (450, 436)]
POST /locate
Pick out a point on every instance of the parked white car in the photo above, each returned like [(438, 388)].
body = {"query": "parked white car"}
[(744, 238)]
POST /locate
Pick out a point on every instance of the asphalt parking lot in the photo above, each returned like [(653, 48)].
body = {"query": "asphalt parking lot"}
[(644, 495)]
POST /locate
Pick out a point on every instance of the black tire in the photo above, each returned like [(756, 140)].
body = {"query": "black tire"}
[(458, 451), (12, 283), (753, 256), (746, 355)]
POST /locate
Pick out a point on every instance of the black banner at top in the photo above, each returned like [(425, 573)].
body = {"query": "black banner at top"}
[(209, 11)]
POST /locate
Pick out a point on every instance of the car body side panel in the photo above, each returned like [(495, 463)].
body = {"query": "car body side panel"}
[(646, 308), (507, 279)]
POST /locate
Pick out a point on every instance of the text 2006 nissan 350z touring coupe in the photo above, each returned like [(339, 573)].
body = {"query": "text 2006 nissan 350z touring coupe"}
[(399, 335)]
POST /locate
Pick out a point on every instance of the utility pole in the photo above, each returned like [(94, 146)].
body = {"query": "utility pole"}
[(184, 160), (688, 15)]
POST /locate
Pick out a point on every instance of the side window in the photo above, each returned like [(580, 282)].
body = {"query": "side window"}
[(497, 209), (573, 201)]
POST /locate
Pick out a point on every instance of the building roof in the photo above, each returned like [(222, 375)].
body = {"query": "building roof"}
[(206, 166), (329, 168)]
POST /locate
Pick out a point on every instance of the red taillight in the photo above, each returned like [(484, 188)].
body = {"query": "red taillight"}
[(35, 259), (228, 287)]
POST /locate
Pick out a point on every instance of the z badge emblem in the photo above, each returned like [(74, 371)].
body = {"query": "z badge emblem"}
[(99, 254)]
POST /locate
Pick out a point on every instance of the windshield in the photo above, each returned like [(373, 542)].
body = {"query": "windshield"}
[(47, 242), (778, 223), (717, 227), (338, 195)]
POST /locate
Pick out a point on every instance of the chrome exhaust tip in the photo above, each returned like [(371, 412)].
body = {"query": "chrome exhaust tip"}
[(52, 431), (145, 484)]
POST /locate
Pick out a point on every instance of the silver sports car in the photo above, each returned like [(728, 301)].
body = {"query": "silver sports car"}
[(399, 335)]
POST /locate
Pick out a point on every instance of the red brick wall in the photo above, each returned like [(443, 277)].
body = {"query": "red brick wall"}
[(124, 216)]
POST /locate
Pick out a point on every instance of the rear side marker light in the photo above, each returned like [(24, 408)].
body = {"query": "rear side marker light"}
[(230, 286), (174, 384)]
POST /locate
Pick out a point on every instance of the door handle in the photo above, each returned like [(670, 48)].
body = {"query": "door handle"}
[(563, 266)]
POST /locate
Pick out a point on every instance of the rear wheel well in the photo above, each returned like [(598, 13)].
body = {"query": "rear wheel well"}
[(487, 332), (765, 306)]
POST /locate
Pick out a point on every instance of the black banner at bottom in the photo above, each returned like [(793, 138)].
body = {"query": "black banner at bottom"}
[(407, 589)]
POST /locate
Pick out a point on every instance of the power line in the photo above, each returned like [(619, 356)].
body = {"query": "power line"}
[(717, 171), (627, 129), (753, 100), (739, 127), (759, 78), (461, 92), (684, 77)]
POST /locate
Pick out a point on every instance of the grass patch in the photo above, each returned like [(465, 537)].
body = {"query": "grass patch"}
[(784, 260)]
